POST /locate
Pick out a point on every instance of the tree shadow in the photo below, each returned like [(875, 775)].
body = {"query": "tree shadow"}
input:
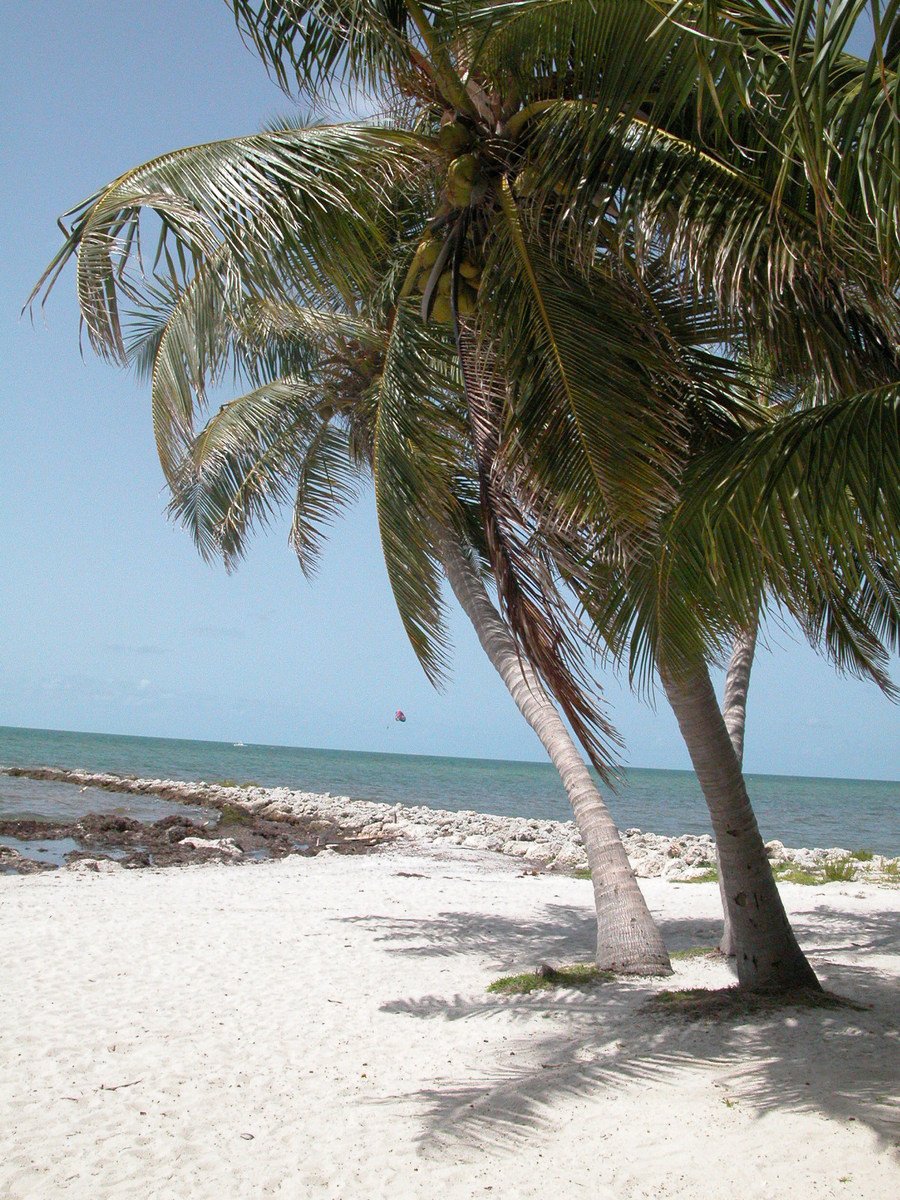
[(771, 1061), (564, 933)]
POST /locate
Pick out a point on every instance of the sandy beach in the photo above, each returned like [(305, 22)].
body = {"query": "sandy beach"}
[(321, 1027)]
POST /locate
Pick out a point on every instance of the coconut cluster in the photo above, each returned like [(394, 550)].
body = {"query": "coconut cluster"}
[(427, 261), (435, 264)]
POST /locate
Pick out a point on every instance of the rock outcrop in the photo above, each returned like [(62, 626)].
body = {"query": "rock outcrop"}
[(553, 844)]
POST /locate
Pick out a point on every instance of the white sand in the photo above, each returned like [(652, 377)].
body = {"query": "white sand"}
[(320, 1027)]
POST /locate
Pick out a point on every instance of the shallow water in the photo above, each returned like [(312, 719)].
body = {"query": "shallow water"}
[(51, 851), (48, 800), (799, 811)]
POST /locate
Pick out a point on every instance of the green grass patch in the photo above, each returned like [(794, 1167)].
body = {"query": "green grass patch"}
[(790, 873), (233, 815), (576, 975), (710, 875), (695, 952), (863, 855), (840, 870), (891, 869), (582, 873), (736, 1003)]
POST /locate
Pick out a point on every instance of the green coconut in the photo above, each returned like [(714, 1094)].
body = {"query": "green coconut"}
[(454, 138), (463, 167), (445, 284), (422, 281), (426, 255), (427, 252), (441, 311), (460, 193), (460, 180), (469, 269)]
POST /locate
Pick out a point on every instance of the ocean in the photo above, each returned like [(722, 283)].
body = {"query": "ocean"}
[(850, 813)]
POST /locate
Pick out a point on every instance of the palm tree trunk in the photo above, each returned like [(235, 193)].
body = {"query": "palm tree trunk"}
[(628, 940), (734, 712), (737, 683), (767, 955)]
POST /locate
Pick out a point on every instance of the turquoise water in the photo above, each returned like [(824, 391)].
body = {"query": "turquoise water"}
[(853, 813)]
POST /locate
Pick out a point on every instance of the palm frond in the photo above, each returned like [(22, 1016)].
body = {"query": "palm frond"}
[(297, 205), (244, 465), (415, 458), (329, 481)]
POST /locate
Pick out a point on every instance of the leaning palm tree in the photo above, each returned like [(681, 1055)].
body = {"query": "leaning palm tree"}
[(327, 391), (565, 173)]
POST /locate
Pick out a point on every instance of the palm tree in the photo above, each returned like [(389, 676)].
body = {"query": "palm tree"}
[(325, 390), (579, 167)]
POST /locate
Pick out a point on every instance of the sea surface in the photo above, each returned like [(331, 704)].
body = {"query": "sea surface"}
[(813, 812)]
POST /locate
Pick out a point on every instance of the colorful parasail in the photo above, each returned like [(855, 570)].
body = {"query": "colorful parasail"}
[(400, 715)]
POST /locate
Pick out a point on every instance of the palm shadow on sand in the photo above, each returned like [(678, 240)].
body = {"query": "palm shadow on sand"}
[(610, 1040)]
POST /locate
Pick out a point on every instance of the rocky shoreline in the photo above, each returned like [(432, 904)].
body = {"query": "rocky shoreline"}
[(340, 823)]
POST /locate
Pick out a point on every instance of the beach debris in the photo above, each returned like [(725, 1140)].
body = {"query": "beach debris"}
[(226, 846), (100, 866), (137, 860), (117, 1087)]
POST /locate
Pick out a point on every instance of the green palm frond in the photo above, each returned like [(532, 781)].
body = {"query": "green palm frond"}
[(805, 509), (244, 465), (377, 47), (316, 46), (589, 371), (828, 114), (297, 204), (415, 459), (329, 480)]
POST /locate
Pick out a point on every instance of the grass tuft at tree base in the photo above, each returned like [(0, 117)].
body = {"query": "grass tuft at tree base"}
[(696, 952), (576, 975), (709, 875)]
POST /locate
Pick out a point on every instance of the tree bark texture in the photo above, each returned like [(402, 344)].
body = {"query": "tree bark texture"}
[(628, 940), (768, 957), (734, 712)]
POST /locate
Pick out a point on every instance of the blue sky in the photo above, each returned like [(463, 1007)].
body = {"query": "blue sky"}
[(110, 621)]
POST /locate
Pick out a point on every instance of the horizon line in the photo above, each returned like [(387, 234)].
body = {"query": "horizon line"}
[(412, 754)]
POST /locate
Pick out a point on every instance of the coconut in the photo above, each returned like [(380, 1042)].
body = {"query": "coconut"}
[(460, 179), (464, 167), (469, 269), (454, 138), (427, 252), (441, 310), (445, 283)]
